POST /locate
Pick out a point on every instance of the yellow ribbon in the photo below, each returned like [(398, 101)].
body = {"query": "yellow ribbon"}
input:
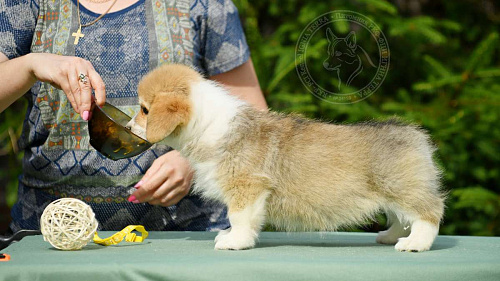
[(125, 233)]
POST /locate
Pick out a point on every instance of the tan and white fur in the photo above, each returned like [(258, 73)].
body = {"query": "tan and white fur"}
[(294, 173)]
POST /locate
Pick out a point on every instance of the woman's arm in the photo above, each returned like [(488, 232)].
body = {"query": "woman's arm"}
[(18, 76), (243, 83), (15, 80)]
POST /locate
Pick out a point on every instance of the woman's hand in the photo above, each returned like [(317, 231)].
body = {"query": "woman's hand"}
[(64, 72), (166, 182)]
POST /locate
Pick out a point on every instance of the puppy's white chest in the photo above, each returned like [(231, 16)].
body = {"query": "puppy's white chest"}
[(206, 180)]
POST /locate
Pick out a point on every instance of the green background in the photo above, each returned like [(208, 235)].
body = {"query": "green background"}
[(444, 75)]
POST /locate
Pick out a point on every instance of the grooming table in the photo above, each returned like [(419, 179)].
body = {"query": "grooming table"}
[(278, 256)]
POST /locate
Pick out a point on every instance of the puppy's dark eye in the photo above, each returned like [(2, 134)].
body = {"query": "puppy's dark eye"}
[(144, 110)]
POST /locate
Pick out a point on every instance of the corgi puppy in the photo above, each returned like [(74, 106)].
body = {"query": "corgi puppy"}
[(294, 173)]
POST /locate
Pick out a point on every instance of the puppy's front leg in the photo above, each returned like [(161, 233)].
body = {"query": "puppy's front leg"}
[(247, 210), (245, 226)]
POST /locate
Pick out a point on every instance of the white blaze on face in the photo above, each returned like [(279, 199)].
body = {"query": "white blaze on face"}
[(136, 129)]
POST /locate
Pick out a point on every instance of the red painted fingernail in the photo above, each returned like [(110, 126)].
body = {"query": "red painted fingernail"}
[(132, 199), (137, 185), (85, 115)]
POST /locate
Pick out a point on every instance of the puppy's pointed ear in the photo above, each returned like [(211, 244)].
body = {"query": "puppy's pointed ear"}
[(168, 111)]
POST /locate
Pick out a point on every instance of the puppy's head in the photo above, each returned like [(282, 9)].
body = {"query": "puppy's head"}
[(164, 100)]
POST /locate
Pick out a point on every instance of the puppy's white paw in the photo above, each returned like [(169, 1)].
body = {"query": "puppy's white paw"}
[(421, 238), (234, 240), (410, 244), (221, 234)]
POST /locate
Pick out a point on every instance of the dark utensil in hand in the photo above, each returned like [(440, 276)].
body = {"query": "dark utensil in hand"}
[(6, 241), (110, 137)]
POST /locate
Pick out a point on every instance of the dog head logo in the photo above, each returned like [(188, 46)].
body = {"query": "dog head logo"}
[(345, 62), (344, 57)]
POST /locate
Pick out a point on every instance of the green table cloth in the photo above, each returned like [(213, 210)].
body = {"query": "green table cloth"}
[(278, 256)]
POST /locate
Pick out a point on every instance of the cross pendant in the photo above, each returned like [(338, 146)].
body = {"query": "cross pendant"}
[(78, 35)]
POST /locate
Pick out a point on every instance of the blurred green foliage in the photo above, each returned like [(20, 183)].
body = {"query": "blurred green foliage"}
[(444, 75), (11, 121)]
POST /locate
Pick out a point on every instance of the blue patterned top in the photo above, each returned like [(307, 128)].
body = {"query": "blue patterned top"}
[(123, 46)]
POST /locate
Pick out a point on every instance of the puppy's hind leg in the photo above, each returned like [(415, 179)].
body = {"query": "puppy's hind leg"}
[(396, 230), (424, 219), (423, 233), (246, 221)]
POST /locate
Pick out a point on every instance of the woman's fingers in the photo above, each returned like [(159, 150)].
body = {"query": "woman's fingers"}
[(152, 183), (85, 99), (144, 190), (161, 195), (75, 76), (174, 200), (154, 172), (74, 90), (98, 86), (85, 96), (83, 79), (176, 194), (171, 192), (166, 182), (172, 186)]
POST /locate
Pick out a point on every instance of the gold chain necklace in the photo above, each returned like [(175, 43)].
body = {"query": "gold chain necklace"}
[(98, 1), (79, 33)]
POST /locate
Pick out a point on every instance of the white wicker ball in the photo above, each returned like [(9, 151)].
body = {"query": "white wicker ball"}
[(68, 224)]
